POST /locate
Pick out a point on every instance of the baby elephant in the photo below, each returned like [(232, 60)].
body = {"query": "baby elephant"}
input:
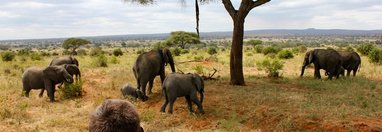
[(128, 90), (115, 115), (183, 85)]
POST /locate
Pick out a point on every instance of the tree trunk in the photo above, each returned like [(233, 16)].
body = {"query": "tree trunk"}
[(197, 16), (236, 57)]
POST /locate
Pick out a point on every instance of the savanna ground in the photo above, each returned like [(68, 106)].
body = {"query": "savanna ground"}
[(289, 103)]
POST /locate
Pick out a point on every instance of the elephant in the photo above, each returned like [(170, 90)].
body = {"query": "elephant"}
[(64, 60), (72, 69), (150, 64), (179, 85), (47, 78), (351, 61), (128, 90), (327, 59), (115, 115)]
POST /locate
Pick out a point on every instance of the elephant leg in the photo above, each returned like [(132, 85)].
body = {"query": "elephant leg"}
[(27, 92), (144, 90), (163, 108), (41, 93), (172, 101), (151, 86), (354, 72), (162, 77), (317, 73), (348, 72), (188, 99), (194, 99), (50, 88)]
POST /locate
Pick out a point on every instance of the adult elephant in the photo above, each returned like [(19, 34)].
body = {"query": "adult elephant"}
[(150, 64), (64, 60), (351, 61), (327, 59), (37, 78)]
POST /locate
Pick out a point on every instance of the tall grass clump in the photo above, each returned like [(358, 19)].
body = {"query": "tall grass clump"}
[(212, 50), (271, 66), (259, 48), (114, 60), (35, 56), (96, 51), (8, 56), (72, 90)]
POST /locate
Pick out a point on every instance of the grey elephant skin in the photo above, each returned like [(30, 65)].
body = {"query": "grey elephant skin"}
[(351, 61), (183, 85), (128, 90), (47, 78), (72, 69), (64, 60), (149, 65), (326, 59)]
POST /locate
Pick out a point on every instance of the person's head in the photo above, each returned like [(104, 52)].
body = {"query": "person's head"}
[(115, 115)]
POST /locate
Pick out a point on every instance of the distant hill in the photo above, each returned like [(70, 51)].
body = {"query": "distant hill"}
[(220, 35)]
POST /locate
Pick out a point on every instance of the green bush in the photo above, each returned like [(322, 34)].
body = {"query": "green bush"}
[(8, 56), (117, 52), (198, 58), (175, 51), (100, 61), (198, 69), (114, 60), (35, 56), (259, 48), (25, 51), (366, 48), (212, 50), (271, 66), (285, 54), (72, 90), (43, 53), (271, 49), (349, 49), (66, 52), (375, 56), (96, 51), (184, 51), (140, 51)]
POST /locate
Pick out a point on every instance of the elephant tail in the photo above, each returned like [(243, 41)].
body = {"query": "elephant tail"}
[(359, 67), (164, 92)]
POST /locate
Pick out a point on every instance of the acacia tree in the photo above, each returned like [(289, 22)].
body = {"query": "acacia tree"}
[(182, 38), (238, 17), (74, 43)]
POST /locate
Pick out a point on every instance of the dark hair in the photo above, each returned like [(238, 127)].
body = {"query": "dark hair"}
[(115, 115)]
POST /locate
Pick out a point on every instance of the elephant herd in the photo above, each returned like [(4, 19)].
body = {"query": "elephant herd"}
[(333, 62)]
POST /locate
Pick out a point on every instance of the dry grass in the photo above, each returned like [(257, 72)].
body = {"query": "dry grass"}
[(286, 104)]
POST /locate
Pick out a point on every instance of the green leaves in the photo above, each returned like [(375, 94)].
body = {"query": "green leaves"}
[(181, 39), (74, 43)]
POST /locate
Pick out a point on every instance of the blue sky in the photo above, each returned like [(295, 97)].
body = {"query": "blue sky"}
[(25, 19)]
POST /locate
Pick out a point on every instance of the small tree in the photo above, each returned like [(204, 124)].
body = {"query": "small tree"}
[(285, 54), (366, 48), (8, 56), (74, 43), (117, 52), (375, 56), (254, 42), (181, 39), (271, 66)]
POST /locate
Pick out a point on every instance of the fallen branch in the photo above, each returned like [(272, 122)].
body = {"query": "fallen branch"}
[(210, 76), (190, 61)]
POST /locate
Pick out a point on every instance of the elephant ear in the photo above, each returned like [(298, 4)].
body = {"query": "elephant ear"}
[(198, 82), (165, 57), (310, 57), (51, 73)]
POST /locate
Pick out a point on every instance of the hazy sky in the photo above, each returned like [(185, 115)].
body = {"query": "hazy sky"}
[(21, 19)]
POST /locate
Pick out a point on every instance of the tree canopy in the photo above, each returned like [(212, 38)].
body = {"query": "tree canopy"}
[(254, 42), (181, 39), (74, 43)]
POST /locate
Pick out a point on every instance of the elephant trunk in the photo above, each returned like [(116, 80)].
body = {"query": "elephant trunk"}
[(302, 70), (172, 67)]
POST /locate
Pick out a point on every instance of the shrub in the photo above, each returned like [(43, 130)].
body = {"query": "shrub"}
[(35, 56), (140, 51), (101, 61), (25, 51), (212, 50), (72, 90), (366, 48), (271, 49), (43, 53), (285, 54), (198, 58), (184, 51), (117, 52), (259, 48), (54, 53), (175, 51), (349, 49), (66, 52), (8, 56), (271, 66), (114, 60), (81, 52), (375, 56), (96, 51)]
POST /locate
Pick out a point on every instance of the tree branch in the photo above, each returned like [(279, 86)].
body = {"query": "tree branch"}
[(259, 3), (229, 7)]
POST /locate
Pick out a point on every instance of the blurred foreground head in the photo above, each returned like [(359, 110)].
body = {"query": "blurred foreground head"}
[(115, 115)]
